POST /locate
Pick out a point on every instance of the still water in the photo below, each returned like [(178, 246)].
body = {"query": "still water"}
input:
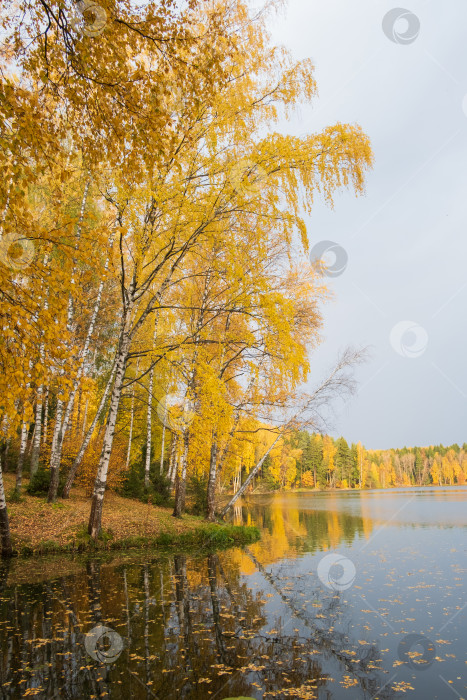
[(347, 595)]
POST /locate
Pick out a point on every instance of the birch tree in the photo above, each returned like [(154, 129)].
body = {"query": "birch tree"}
[(163, 134), (5, 538), (311, 410)]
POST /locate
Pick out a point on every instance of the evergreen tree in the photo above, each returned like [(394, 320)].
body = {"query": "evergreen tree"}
[(316, 460), (354, 473), (343, 460)]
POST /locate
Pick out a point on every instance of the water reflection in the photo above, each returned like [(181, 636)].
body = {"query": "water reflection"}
[(254, 622), (192, 628), (294, 529)]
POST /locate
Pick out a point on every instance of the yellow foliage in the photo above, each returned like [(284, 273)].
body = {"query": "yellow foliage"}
[(117, 467), (308, 480)]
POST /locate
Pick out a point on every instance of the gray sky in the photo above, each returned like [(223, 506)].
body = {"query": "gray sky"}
[(406, 240)]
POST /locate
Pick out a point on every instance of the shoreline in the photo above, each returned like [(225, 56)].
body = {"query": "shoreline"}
[(207, 537), (337, 490), (41, 528)]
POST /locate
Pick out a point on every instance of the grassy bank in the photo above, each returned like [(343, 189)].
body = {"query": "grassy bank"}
[(41, 528)]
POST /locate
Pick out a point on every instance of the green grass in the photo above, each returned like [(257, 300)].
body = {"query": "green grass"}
[(208, 537)]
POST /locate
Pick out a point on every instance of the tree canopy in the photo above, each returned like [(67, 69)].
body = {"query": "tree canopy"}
[(158, 307)]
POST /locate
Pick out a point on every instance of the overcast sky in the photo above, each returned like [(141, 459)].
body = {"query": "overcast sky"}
[(404, 289)]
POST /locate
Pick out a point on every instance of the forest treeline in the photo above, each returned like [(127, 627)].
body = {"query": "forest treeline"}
[(310, 460), (158, 307)]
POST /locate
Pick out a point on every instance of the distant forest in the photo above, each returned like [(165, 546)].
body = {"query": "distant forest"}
[(314, 460)]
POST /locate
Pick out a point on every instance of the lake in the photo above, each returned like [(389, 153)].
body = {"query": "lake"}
[(347, 595)]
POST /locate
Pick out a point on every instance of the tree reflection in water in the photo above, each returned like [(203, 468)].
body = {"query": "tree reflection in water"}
[(193, 627)]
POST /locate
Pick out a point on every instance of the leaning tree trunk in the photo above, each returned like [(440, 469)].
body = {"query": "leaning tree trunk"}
[(95, 518), (56, 456), (63, 413), (249, 479), (5, 538), (87, 438), (337, 380), (126, 335)]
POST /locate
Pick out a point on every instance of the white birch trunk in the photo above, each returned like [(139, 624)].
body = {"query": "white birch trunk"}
[(31, 442), (85, 417), (162, 449), (130, 436), (236, 422), (62, 416), (132, 420), (70, 426), (127, 333), (78, 412), (82, 357), (147, 465), (88, 436), (336, 381), (7, 449), (238, 476), (46, 417), (54, 454), (173, 459), (100, 483), (22, 452), (5, 539), (180, 483), (180, 472), (250, 477), (211, 494), (39, 425)]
